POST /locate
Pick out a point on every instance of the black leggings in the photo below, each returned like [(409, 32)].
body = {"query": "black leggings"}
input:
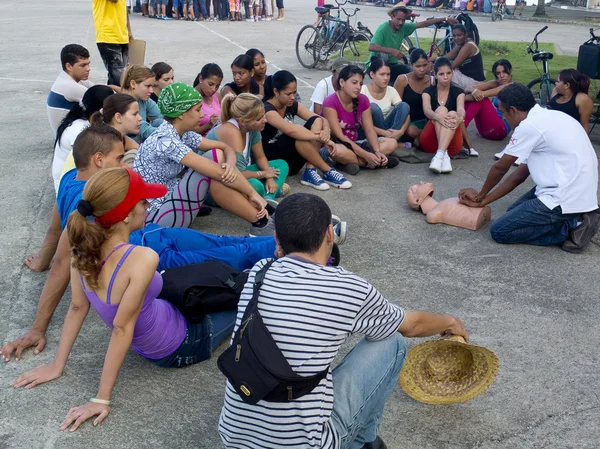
[(285, 148)]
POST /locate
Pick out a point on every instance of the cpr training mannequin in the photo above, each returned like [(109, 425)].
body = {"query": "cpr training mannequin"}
[(450, 212)]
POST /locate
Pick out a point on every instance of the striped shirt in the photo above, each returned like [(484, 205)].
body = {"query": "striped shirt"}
[(310, 310), (64, 94)]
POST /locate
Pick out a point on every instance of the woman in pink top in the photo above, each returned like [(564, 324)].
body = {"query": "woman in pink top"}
[(349, 112), (207, 83), (121, 283)]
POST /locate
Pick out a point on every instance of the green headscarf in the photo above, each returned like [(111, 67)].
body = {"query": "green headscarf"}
[(177, 98)]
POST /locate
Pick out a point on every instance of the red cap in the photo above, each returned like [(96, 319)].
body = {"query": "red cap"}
[(138, 190)]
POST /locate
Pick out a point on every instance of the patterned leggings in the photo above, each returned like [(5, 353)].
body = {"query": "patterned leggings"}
[(181, 205)]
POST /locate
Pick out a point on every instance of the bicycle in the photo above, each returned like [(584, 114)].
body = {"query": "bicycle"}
[(315, 43), (542, 86), (498, 10), (445, 44), (587, 63)]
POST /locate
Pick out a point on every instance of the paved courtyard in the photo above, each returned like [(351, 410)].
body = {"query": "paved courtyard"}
[(536, 307)]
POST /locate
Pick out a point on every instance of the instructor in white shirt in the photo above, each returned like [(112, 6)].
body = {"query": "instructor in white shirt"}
[(562, 208)]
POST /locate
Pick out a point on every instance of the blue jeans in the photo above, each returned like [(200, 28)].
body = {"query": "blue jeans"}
[(395, 118), (200, 8), (201, 339), (362, 384), (530, 221), (183, 246)]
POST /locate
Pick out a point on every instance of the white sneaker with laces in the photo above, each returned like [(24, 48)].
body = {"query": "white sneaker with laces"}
[(446, 164), (436, 163), (473, 153)]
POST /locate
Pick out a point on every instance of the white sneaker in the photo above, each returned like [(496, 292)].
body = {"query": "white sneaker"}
[(436, 163), (473, 153), (446, 164)]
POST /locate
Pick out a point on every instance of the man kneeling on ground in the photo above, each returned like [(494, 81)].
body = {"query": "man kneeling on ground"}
[(555, 150), (310, 309)]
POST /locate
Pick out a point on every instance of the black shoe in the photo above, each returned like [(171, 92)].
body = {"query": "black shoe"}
[(377, 444), (393, 161), (581, 236), (351, 169), (204, 211)]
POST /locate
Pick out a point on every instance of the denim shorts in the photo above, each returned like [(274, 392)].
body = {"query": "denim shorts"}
[(196, 346)]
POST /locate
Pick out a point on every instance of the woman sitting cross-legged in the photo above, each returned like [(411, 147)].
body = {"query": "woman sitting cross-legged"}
[(243, 118), (467, 61), (482, 103), (121, 282), (242, 69), (571, 97), (391, 116), (444, 105), (169, 152), (297, 144), (348, 111), (207, 84), (410, 87)]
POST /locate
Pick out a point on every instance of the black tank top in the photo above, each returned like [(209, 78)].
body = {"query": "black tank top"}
[(473, 67), (569, 108), (415, 101)]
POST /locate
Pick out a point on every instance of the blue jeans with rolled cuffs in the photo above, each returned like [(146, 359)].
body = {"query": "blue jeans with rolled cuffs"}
[(530, 221), (395, 118), (362, 384)]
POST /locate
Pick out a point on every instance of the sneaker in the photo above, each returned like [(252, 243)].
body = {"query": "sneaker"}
[(266, 231), (250, 19), (436, 163), (326, 157), (269, 18), (351, 169), (283, 190), (279, 18), (464, 154), (271, 202), (446, 164), (204, 211), (473, 153), (377, 444), (335, 178), (311, 178), (167, 18), (581, 236), (340, 229), (335, 219), (393, 161)]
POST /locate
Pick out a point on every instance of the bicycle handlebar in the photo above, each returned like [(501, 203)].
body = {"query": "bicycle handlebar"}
[(350, 15), (339, 3), (535, 41)]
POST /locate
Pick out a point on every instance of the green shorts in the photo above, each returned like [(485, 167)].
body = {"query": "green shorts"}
[(420, 123)]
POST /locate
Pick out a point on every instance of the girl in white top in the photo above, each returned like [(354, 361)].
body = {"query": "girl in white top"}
[(391, 117), (76, 121)]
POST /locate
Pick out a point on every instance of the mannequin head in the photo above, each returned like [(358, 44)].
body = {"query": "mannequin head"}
[(417, 193)]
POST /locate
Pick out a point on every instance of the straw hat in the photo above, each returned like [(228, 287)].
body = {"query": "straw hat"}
[(400, 6), (447, 371)]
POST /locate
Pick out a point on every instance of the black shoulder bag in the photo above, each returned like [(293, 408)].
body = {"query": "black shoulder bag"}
[(254, 364)]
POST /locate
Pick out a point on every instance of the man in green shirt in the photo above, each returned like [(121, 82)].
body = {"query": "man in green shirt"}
[(387, 40)]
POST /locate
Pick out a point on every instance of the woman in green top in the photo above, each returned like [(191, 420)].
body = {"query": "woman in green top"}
[(387, 40), (243, 118)]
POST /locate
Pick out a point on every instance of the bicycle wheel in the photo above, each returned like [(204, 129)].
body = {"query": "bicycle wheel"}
[(407, 46), (494, 14), (541, 89), (306, 42), (356, 49)]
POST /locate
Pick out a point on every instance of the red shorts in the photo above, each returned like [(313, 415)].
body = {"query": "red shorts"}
[(429, 144)]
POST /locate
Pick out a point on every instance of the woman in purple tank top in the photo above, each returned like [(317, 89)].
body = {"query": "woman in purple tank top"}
[(121, 283)]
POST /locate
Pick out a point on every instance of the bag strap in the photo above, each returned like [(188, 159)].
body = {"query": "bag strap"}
[(226, 278), (252, 305)]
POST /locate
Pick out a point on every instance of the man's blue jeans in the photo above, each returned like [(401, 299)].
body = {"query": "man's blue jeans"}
[(530, 221), (183, 246), (362, 384), (395, 118)]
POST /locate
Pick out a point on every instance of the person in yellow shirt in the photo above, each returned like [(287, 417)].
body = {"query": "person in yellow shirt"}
[(113, 34)]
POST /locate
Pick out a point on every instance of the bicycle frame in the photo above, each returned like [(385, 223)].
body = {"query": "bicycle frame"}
[(435, 46)]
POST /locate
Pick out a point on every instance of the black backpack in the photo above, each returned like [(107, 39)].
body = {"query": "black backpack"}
[(203, 288)]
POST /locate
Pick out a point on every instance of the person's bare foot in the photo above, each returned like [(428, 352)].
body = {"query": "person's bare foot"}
[(35, 263)]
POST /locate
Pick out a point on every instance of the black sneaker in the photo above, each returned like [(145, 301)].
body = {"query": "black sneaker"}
[(377, 444), (581, 236), (393, 161), (204, 211)]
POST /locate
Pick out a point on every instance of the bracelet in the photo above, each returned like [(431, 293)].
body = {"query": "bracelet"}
[(259, 174), (100, 401)]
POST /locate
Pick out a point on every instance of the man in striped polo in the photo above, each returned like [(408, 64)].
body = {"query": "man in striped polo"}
[(310, 309)]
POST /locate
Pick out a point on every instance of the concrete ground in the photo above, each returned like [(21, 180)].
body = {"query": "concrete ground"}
[(536, 307)]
